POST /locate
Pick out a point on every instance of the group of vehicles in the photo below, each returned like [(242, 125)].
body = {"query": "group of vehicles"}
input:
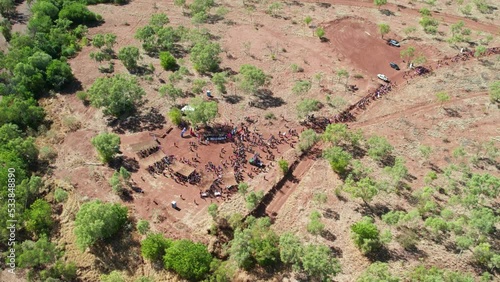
[(393, 65)]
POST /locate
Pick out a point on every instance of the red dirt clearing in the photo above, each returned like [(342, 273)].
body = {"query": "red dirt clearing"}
[(360, 44)]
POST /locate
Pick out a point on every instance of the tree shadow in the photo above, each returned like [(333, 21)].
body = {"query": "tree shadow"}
[(377, 209), (126, 196), (452, 112), (130, 164), (232, 99), (435, 168), (386, 12), (117, 253), (72, 87), (331, 214), (324, 5), (147, 120), (336, 251), (327, 235), (265, 100), (383, 255), (213, 19)]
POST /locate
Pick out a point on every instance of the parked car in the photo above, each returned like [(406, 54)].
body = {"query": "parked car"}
[(383, 77), (393, 42), (394, 66)]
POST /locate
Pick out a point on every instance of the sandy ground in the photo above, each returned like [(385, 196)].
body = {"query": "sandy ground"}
[(408, 117)]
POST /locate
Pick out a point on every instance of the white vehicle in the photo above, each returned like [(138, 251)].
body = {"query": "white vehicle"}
[(383, 77)]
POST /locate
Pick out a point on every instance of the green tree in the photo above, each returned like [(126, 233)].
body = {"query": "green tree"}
[(143, 226), (189, 260), (482, 253), (205, 56), (35, 254), (96, 221), (197, 86), (291, 250), (384, 29), (7, 7), (116, 183), (171, 92), (118, 95), (307, 139), (484, 220), (283, 164), (107, 146), (113, 276), (408, 54), (203, 111), (251, 78), (58, 74), (320, 32), (315, 226), (219, 80), (429, 24), (377, 272), (154, 246), (365, 189), (175, 116), (494, 91), (319, 264), (78, 13), (379, 148), (129, 55), (168, 61), (39, 220), (60, 195), (338, 158), (379, 3), (366, 235), (213, 210), (243, 188), (253, 199)]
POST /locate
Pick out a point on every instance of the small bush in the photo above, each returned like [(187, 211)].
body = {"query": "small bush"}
[(283, 164), (143, 226), (168, 61), (175, 116), (269, 116), (47, 153), (60, 195), (82, 95), (301, 87)]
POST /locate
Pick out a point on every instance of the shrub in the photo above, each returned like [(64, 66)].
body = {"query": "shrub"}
[(171, 92), (205, 56), (38, 217), (251, 78), (154, 246), (253, 199), (283, 164), (129, 55), (198, 85), (306, 106), (78, 13), (47, 153), (301, 87), (175, 116), (307, 139), (60, 195), (338, 158), (168, 61), (366, 235), (143, 226), (495, 91), (82, 95)]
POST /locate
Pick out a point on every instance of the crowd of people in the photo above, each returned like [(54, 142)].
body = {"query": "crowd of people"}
[(320, 123)]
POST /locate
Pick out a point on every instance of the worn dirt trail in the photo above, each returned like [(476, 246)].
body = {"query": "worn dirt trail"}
[(412, 110), (491, 28), (281, 195)]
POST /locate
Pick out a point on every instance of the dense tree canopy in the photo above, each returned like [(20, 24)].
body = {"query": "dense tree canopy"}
[(205, 56), (118, 95), (97, 221), (189, 260), (154, 246), (203, 111), (107, 145), (251, 78)]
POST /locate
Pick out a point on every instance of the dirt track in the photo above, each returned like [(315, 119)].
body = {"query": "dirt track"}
[(491, 28)]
